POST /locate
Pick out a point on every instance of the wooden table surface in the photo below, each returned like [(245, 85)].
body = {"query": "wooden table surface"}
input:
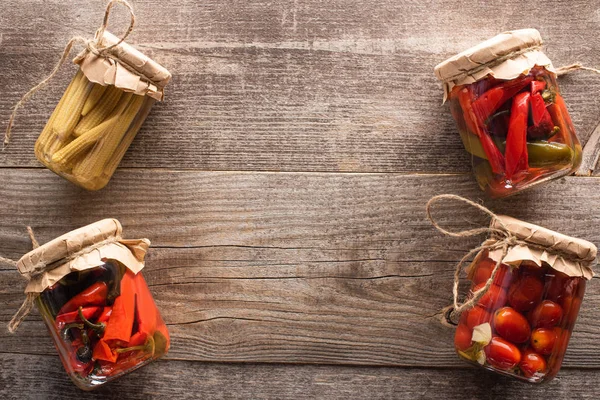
[(283, 184)]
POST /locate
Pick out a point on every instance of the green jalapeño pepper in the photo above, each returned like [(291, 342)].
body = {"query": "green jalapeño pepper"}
[(541, 153)]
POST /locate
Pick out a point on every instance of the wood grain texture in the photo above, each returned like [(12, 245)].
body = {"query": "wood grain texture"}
[(293, 86), (190, 380), (283, 184), (293, 268)]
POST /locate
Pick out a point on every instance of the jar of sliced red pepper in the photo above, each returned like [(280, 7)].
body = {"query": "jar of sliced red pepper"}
[(95, 302), (522, 324), (510, 114)]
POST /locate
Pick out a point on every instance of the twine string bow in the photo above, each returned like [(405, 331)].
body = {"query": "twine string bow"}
[(94, 46), (503, 239), (27, 305)]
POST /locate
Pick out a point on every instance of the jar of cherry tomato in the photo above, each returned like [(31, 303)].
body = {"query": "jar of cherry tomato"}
[(95, 302), (522, 324), (510, 114)]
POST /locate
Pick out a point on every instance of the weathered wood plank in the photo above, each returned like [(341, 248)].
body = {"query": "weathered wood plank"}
[(284, 86), (187, 380), (317, 268)]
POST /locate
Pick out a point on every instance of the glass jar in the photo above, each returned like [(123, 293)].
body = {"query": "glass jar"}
[(104, 323), (89, 289), (522, 324), (100, 113), (510, 114), (531, 310)]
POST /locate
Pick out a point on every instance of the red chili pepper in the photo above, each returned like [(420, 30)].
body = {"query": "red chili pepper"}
[(560, 117), (105, 314), (491, 100), (120, 323), (94, 295), (137, 339), (146, 311), (516, 140), (543, 127), (102, 351), (537, 86), (475, 125), (73, 316)]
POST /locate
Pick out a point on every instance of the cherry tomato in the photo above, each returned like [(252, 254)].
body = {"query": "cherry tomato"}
[(557, 286), (546, 315), (462, 337), (543, 339), (484, 271), (525, 292), (477, 316), (511, 325), (532, 364), (502, 354), (530, 268), (495, 296)]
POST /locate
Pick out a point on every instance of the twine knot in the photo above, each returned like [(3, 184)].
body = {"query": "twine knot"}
[(504, 240)]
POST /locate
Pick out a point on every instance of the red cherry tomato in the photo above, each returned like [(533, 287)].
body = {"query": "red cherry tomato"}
[(511, 325), (531, 268), (502, 354), (495, 296), (557, 286), (532, 364), (525, 292), (484, 272), (546, 315), (543, 340), (477, 316), (462, 337)]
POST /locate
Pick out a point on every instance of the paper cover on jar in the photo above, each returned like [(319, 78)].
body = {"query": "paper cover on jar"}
[(505, 56), (125, 67), (79, 250), (571, 256)]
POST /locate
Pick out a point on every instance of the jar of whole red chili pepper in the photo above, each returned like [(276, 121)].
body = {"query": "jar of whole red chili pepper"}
[(510, 114), (522, 324), (95, 302)]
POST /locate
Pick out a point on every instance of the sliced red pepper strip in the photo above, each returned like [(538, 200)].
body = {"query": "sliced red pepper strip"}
[(491, 100), (542, 121), (105, 314), (516, 140), (120, 322), (94, 295), (560, 117), (137, 339), (73, 316), (145, 307), (537, 86), (102, 351), (475, 125)]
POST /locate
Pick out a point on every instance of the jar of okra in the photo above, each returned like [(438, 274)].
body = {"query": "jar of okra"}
[(511, 117)]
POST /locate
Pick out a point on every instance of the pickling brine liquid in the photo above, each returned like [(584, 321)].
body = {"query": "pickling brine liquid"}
[(518, 132), (531, 311)]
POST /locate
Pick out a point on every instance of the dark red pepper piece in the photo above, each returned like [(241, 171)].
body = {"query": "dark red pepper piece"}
[(516, 140), (94, 295), (475, 125), (491, 100), (543, 127)]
